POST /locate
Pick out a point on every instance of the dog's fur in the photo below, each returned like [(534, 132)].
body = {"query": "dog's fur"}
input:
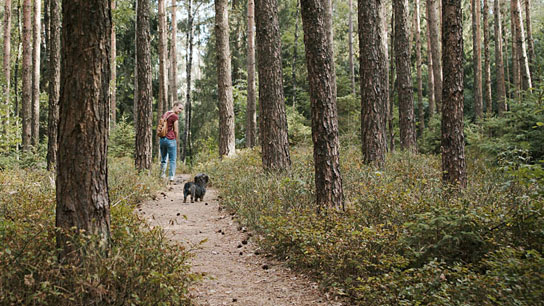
[(196, 189)]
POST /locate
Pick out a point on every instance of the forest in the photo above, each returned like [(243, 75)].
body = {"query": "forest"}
[(390, 150)]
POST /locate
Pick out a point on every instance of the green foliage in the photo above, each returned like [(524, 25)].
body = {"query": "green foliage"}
[(298, 129), (403, 239), (141, 268), (121, 140)]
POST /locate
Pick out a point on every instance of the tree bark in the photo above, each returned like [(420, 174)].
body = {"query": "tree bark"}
[(6, 63), (421, 110), (505, 43), (272, 117), (518, 34), (317, 24), (82, 177), (477, 58), (374, 85), (135, 106), (295, 56), (37, 39), (224, 80), (145, 112), (404, 76), (27, 75), (188, 108), (174, 55), (54, 83), (433, 23), (499, 62), (430, 72), (453, 140), (530, 41), (163, 80), (487, 62), (351, 64), (391, 81), (251, 113), (113, 88)]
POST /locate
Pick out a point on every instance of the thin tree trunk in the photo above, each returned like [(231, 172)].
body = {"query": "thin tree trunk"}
[(145, 112), (421, 111), (82, 177), (499, 62), (530, 41), (521, 48), (224, 80), (295, 55), (453, 142), (27, 75), (516, 73), (404, 76), (374, 85), (317, 24), (272, 119), (174, 54), (163, 80), (506, 43), (251, 113), (113, 88), (54, 83), (391, 81), (350, 33), (37, 38), (187, 132), (433, 22), (6, 65), (487, 62), (477, 58), (135, 106), (430, 72)]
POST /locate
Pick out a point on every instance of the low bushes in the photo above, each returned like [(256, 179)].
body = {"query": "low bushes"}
[(403, 239), (140, 268)]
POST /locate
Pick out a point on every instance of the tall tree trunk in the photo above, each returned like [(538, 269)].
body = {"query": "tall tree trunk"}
[(37, 39), (391, 81), (174, 54), (508, 79), (224, 80), (272, 117), (145, 111), (453, 140), (251, 113), (487, 62), (499, 62), (421, 110), (530, 41), (6, 65), (189, 61), (521, 47), (295, 55), (374, 85), (113, 64), (351, 64), (54, 83), (135, 106), (404, 76), (433, 22), (516, 73), (27, 75), (163, 80), (477, 58), (82, 177), (430, 72), (317, 24)]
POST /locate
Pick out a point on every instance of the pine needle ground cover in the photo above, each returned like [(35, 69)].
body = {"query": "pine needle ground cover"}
[(403, 239), (141, 268)]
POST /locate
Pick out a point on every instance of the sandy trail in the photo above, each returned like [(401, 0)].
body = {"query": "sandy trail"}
[(236, 273)]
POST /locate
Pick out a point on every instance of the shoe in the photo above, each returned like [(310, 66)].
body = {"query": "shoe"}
[(171, 180)]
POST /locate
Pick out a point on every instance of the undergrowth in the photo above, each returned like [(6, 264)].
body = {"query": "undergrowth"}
[(403, 239), (141, 268)]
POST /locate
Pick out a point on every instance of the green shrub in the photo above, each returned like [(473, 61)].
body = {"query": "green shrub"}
[(141, 267), (121, 140)]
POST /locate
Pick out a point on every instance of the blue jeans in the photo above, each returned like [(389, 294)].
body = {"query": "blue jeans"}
[(168, 149)]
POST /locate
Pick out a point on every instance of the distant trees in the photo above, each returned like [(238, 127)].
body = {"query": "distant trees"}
[(317, 24), (82, 176), (162, 102), (251, 112), (224, 80), (27, 75), (499, 62), (273, 120), (6, 63), (54, 82), (36, 30), (477, 58)]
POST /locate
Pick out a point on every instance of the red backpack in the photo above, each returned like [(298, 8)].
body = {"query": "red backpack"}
[(162, 127)]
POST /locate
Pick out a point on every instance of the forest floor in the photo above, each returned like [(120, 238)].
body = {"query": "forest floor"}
[(235, 271)]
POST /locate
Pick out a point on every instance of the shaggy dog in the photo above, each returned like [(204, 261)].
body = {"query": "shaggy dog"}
[(196, 189)]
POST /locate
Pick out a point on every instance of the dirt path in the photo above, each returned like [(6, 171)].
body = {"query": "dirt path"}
[(236, 273)]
